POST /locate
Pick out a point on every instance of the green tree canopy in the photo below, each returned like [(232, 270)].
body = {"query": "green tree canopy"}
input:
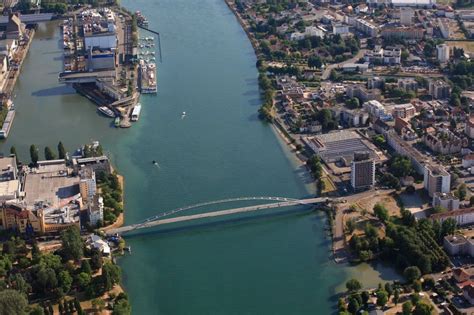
[(49, 154), (34, 154), (381, 212), (353, 285), (61, 150), (412, 273), (12, 303), (73, 245)]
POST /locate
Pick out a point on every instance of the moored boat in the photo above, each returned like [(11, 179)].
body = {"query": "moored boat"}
[(106, 111), (136, 112)]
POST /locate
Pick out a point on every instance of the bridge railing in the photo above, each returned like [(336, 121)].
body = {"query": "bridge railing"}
[(208, 203)]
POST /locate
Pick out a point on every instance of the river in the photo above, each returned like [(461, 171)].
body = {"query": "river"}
[(267, 265)]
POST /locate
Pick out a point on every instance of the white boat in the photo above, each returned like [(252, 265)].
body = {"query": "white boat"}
[(184, 114), (106, 111), (136, 112)]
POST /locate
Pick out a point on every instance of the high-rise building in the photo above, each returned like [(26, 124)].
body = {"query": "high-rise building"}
[(436, 180), (442, 51), (362, 170), (439, 89)]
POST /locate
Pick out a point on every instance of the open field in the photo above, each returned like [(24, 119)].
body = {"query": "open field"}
[(467, 46)]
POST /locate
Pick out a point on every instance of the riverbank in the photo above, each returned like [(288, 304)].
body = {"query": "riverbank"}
[(8, 111), (121, 218)]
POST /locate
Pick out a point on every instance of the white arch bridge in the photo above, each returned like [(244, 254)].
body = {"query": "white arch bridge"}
[(276, 202)]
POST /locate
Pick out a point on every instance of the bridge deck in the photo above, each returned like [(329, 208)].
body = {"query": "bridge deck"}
[(149, 224)]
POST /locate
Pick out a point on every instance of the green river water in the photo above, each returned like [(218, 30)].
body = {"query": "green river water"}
[(264, 265)]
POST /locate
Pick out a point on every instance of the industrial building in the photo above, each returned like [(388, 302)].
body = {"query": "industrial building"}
[(338, 146)]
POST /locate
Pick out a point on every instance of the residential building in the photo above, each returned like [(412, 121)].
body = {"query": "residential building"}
[(446, 200), (355, 67), (436, 179), (468, 293), (87, 184), (442, 52), (340, 29), (408, 84), (390, 55), (409, 33), (362, 170), (377, 111), (95, 210), (403, 148), (439, 89), (404, 111), (366, 27), (468, 160), (458, 245), (362, 93), (461, 216), (406, 16), (354, 117), (443, 141), (375, 83), (15, 217), (469, 130)]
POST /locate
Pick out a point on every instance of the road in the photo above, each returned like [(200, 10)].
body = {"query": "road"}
[(328, 69)]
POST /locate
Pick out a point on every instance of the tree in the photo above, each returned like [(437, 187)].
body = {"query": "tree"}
[(37, 311), (83, 280), (350, 225), (448, 227), (48, 154), (98, 304), (46, 279), (388, 288), (353, 306), (12, 303), (381, 212), (462, 191), (65, 281), (400, 166), (86, 267), (96, 259), (34, 154), (412, 273), (61, 150), (353, 285), (61, 307), (315, 62), (78, 306), (365, 295), (423, 309), (396, 296), (382, 298), (73, 246), (406, 308), (19, 284), (13, 151), (121, 306), (110, 275)]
